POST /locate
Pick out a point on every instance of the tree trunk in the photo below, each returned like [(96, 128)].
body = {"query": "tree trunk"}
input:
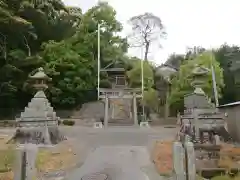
[(166, 113), (146, 51)]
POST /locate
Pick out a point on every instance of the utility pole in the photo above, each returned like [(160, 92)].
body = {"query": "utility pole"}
[(214, 82), (99, 53), (142, 79)]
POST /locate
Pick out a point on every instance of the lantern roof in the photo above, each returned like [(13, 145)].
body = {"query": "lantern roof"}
[(200, 70), (40, 74)]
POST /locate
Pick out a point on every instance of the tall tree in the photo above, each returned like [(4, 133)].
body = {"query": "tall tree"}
[(150, 95), (72, 63), (147, 29), (181, 83), (228, 57), (175, 60), (24, 26)]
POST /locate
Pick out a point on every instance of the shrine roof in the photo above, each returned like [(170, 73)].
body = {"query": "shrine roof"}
[(120, 90), (229, 104)]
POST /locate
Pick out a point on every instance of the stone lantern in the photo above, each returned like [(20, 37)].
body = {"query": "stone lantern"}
[(197, 99), (166, 72), (38, 123), (199, 74), (40, 80)]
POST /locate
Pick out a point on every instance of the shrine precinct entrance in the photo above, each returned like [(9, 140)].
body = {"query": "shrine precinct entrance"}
[(125, 93)]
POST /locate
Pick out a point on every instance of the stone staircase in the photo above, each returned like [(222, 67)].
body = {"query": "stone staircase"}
[(119, 112)]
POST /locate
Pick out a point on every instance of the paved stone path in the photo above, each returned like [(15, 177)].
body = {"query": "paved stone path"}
[(119, 163), (120, 152)]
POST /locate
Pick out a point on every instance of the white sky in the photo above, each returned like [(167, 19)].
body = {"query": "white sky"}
[(206, 23)]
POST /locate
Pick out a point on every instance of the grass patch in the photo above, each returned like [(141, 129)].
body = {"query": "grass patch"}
[(226, 177), (7, 158), (61, 159), (7, 155)]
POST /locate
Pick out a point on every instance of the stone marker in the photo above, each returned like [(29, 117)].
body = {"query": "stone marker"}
[(18, 163), (31, 156), (25, 162), (191, 160), (178, 161)]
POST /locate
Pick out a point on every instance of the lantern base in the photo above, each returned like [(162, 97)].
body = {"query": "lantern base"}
[(38, 135)]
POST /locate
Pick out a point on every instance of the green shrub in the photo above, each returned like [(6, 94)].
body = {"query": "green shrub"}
[(68, 122), (224, 177), (105, 83)]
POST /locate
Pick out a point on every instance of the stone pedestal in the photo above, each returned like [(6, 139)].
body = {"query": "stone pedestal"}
[(38, 124)]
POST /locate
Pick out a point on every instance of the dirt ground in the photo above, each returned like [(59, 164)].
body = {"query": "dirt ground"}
[(229, 156), (59, 158), (162, 157)]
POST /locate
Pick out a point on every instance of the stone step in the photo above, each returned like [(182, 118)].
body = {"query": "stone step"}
[(120, 122)]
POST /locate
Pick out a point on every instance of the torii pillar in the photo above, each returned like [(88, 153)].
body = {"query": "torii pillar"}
[(135, 118)]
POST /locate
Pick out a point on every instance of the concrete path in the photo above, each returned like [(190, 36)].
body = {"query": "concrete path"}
[(120, 152), (119, 163)]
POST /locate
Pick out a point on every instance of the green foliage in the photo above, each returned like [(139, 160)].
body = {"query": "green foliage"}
[(181, 83), (61, 39), (24, 26), (135, 75), (228, 57), (151, 99), (135, 80), (224, 177)]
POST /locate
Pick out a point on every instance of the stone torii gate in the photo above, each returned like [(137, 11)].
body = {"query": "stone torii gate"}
[(125, 93)]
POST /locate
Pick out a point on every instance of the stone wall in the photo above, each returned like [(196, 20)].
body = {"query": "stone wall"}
[(233, 114), (90, 110), (158, 120)]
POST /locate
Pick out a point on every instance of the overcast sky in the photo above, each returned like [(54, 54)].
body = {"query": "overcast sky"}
[(207, 23)]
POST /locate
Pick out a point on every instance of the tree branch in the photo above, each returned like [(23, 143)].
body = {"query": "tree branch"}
[(27, 45)]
